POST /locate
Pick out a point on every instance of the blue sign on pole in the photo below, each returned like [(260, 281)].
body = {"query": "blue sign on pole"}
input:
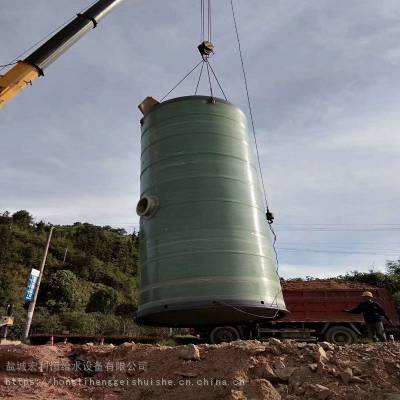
[(31, 286)]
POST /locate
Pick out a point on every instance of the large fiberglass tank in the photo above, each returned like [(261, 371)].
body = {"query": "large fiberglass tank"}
[(206, 256)]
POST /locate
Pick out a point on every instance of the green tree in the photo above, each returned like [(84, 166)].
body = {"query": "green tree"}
[(7, 288), (99, 259), (126, 310), (22, 218), (61, 291), (103, 300), (393, 268), (6, 244)]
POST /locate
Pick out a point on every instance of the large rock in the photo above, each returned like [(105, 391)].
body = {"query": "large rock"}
[(313, 366), (261, 389), (274, 341), (320, 355), (127, 344), (284, 373), (320, 392), (327, 346), (189, 352), (346, 376), (252, 347), (263, 370)]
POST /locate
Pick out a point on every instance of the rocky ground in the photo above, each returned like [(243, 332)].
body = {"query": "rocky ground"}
[(251, 370)]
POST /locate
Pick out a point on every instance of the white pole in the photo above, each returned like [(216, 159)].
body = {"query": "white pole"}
[(32, 304), (65, 255)]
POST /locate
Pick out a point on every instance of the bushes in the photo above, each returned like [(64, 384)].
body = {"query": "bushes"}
[(22, 218), (126, 310), (97, 276), (79, 322), (61, 291), (103, 300), (44, 322), (7, 288)]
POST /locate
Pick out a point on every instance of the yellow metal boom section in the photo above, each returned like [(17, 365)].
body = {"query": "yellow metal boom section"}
[(15, 80)]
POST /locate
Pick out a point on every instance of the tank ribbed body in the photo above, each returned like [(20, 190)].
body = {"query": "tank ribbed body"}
[(205, 248)]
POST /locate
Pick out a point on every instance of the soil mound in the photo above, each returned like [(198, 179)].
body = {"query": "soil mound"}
[(252, 370)]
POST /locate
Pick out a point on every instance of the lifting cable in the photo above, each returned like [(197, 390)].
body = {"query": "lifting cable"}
[(246, 312), (270, 216), (198, 80), (203, 20), (193, 69), (206, 49), (18, 57)]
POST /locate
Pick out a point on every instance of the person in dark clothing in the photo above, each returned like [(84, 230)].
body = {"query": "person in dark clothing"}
[(373, 314)]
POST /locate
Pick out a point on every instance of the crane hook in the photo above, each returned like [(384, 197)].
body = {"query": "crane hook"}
[(206, 49)]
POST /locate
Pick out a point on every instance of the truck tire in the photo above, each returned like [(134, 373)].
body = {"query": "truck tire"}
[(341, 335), (222, 334)]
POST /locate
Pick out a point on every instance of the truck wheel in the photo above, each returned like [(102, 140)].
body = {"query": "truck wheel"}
[(340, 335), (222, 334)]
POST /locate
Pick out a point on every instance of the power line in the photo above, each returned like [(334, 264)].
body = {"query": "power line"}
[(333, 229), (345, 246), (305, 250), (315, 229), (336, 224), (311, 229)]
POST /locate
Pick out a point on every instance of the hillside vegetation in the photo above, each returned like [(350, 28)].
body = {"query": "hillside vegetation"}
[(94, 291)]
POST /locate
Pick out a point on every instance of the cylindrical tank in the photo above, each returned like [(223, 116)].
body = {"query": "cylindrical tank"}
[(206, 256)]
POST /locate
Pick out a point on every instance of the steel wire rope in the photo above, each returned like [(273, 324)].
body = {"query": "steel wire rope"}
[(216, 79), (201, 20), (246, 312), (209, 20), (248, 100), (254, 131), (209, 80), (205, 56), (198, 81), (15, 60), (193, 69)]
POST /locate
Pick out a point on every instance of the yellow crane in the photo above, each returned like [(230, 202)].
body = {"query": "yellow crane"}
[(24, 72)]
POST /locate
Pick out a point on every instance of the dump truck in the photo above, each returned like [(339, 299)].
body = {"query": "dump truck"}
[(315, 313)]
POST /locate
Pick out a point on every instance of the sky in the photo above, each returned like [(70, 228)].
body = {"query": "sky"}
[(324, 82)]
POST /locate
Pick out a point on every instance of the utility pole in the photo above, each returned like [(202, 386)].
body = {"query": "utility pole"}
[(65, 255), (32, 304)]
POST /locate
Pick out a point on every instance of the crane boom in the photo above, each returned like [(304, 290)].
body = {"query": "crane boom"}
[(32, 67)]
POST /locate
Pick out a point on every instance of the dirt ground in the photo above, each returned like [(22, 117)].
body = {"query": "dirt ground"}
[(240, 370)]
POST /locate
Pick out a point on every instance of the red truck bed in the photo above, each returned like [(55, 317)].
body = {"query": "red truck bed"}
[(313, 303)]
